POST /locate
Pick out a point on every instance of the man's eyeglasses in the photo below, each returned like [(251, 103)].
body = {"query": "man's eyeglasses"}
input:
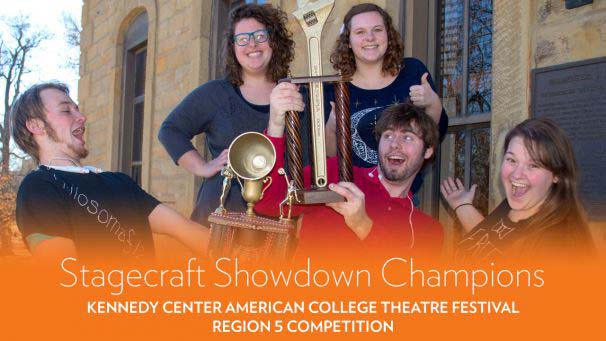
[(243, 39)]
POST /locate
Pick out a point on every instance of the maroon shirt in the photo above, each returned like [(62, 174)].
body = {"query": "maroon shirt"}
[(324, 230)]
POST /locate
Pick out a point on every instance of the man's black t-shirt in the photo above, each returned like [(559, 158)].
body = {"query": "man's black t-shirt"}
[(101, 212)]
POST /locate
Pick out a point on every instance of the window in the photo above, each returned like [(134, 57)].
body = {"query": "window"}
[(465, 77), (135, 55)]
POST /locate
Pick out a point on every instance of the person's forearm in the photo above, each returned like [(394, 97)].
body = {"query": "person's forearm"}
[(434, 110), (192, 162), (362, 228), (165, 220), (54, 250), (194, 236), (469, 216), (275, 129), (330, 131)]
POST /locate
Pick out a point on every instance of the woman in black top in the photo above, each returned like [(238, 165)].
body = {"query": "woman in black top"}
[(370, 51), (542, 214)]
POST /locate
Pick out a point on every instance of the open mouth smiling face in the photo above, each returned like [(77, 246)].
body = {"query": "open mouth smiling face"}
[(66, 125), (526, 183), (401, 154)]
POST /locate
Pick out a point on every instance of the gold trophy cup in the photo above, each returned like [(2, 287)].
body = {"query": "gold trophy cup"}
[(251, 157)]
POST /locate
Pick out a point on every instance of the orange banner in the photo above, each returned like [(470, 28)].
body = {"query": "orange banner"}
[(388, 298)]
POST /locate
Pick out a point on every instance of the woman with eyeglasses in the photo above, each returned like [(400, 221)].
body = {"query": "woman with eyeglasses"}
[(370, 51), (258, 52)]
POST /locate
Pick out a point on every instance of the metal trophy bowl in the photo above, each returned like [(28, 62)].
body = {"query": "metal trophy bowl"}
[(251, 157)]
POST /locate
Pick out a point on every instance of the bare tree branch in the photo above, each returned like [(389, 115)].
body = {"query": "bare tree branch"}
[(72, 30), (17, 156), (15, 49), (72, 38)]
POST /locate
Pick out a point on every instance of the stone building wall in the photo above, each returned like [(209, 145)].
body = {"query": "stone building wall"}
[(177, 61), (567, 35), (511, 53), (530, 35)]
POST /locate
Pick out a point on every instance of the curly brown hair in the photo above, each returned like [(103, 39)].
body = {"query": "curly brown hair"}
[(342, 57), (280, 41)]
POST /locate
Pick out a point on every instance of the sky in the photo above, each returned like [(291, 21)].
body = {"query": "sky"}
[(48, 61)]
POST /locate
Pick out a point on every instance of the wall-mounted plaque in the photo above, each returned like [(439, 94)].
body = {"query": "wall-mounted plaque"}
[(571, 4), (574, 96)]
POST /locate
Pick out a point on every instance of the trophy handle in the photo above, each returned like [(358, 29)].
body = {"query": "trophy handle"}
[(267, 180), (241, 184)]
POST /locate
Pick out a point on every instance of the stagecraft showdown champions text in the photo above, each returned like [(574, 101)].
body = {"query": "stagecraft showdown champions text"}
[(228, 273)]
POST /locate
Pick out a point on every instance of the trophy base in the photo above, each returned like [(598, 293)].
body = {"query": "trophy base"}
[(317, 196), (251, 239)]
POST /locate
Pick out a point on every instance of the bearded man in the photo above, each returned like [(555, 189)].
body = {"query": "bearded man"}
[(378, 213), (65, 209)]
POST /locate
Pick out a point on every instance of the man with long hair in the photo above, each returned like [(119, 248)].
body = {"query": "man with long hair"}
[(67, 209)]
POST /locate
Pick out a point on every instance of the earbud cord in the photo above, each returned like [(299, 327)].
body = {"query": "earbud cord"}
[(374, 170), (412, 230), (77, 164), (412, 207)]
